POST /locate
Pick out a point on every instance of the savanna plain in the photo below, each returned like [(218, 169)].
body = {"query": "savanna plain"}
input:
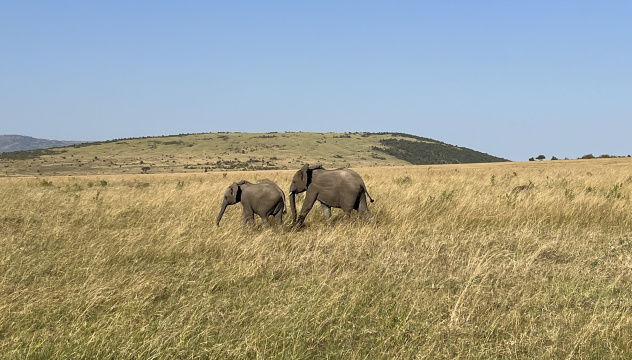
[(507, 260)]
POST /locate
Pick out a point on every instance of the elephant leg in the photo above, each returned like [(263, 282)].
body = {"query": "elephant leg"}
[(326, 212), (308, 203), (279, 220), (370, 217), (249, 222), (248, 218), (264, 221), (363, 208)]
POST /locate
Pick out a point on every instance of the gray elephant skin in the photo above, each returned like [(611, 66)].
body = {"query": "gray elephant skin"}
[(340, 188), (264, 199)]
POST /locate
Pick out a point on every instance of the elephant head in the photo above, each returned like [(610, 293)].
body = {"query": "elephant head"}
[(300, 182), (231, 197)]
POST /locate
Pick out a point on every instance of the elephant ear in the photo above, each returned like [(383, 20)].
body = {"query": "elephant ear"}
[(235, 192), (307, 173), (303, 172), (300, 179)]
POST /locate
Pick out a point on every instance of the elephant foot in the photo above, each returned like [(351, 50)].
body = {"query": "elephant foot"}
[(299, 224)]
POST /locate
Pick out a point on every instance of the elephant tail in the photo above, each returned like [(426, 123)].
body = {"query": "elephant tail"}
[(367, 194)]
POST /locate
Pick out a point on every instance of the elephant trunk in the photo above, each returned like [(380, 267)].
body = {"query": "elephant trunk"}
[(293, 205), (221, 212)]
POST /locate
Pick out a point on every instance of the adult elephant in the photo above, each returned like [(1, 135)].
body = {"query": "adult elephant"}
[(340, 188), (264, 199)]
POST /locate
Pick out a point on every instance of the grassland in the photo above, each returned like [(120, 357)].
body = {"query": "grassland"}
[(464, 263), (197, 153)]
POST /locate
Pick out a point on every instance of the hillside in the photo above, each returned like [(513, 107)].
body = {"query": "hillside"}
[(9, 143), (237, 151)]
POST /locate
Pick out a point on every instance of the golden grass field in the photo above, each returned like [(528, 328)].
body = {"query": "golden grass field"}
[(460, 266)]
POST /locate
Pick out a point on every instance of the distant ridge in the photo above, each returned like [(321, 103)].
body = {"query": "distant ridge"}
[(9, 143)]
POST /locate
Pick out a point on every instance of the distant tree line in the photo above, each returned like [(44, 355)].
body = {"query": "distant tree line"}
[(28, 154), (587, 156)]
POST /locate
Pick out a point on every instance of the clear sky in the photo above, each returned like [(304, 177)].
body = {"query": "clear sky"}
[(514, 79)]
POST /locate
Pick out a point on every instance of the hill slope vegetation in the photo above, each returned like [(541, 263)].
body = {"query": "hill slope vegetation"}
[(237, 151)]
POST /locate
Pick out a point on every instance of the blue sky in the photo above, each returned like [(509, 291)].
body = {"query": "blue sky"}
[(513, 79)]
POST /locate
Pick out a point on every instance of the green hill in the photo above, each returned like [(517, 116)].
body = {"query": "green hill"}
[(237, 151)]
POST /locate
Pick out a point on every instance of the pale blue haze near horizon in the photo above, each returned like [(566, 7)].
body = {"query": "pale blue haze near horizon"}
[(512, 79)]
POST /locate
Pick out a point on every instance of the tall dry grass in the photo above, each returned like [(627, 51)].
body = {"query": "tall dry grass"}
[(459, 266)]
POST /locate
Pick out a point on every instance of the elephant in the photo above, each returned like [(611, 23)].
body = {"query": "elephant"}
[(340, 188), (264, 199)]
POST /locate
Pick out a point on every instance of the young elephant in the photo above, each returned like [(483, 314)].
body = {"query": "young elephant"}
[(264, 199), (340, 188)]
